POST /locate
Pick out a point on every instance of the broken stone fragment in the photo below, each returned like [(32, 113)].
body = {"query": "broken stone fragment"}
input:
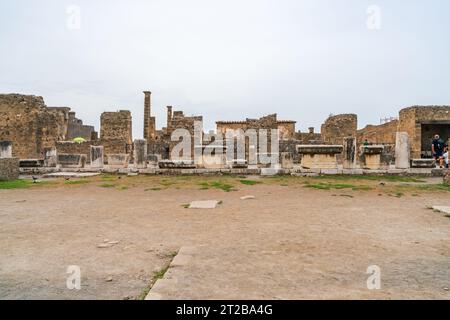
[(248, 198)]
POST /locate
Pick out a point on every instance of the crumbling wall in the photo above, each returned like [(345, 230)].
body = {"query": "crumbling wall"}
[(30, 124), (338, 127), (382, 134), (116, 126)]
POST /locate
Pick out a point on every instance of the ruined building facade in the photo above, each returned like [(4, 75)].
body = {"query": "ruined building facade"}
[(36, 131)]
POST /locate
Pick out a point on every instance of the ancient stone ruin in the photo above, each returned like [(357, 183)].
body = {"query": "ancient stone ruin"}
[(45, 139)]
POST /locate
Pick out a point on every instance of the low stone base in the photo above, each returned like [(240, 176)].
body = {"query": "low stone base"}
[(9, 169), (423, 163), (319, 161)]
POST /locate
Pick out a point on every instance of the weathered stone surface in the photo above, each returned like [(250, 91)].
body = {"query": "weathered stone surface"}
[(423, 163), (97, 156), (287, 160), (447, 178), (338, 127), (208, 204), (9, 168), (72, 160), (118, 160), (116, 126), (5, 149), (402, 151), (50, 157), (349, 153), (443, 209), (140, 153), (180, 164)]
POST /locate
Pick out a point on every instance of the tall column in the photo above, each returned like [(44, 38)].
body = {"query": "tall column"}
[(147, 113), (169, 115)]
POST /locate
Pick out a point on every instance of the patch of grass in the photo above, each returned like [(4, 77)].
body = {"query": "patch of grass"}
[(250, 182), (371, 178), (15, 184), (220, 202), (216, 185), (107, 185), (434, 187), (153, 189), (186, 206), (399, 194), (122, 187), (108, 177), (76, 182), (337, 186)]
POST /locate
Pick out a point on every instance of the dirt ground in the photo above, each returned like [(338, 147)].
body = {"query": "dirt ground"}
[(300, 238)]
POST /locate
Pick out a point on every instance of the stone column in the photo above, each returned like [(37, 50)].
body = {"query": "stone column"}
[(5, 149), (402, 150), (147, 113), (140, 153), (97, 157), (169, 115), (349, 153)]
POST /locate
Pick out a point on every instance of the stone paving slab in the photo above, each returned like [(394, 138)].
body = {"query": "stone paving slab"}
[(207, 204), (443, 209), (71, 174)]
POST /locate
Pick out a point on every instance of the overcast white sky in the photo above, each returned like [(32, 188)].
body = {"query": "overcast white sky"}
[(228, 60)]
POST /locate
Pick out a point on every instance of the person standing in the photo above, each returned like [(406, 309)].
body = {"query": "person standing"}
[(437, 148)]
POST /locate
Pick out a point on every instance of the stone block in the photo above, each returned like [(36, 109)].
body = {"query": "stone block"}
[(287, 160), (72, 160), (349, 152), (50, 157), (97, 157), (5, 149), (9, 169), (423, 163), (120, 160), (140, 153), (402, 150)]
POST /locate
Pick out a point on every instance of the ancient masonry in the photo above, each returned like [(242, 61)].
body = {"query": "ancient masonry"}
[(35, 135)]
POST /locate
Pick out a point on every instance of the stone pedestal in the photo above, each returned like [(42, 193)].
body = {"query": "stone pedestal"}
[(423, 163), (5, 149), (372, 157), (66, 160), (50, 157), (140, 153), (319, 156), (402, 151), (287, 160), (119, 160), (9, 169), (350, 154), (97, 157)]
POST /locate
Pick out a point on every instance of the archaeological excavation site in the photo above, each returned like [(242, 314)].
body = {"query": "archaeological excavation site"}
[(41, 140), (188, 214), (224, 159)]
